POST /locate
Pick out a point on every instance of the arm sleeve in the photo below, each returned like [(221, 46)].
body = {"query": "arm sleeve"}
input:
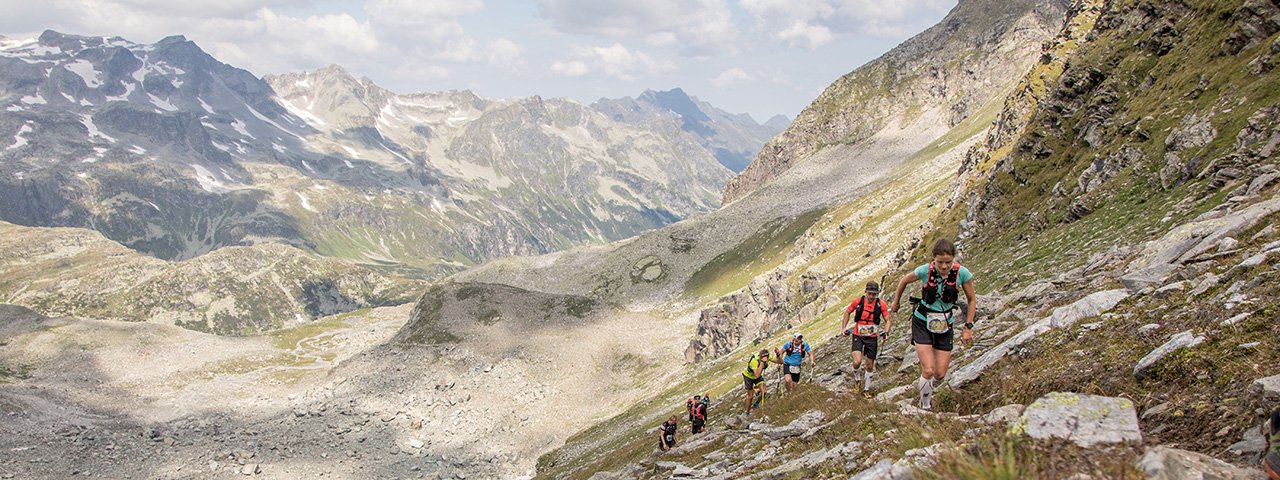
[(964, 276), (884, 307), (852, 306)]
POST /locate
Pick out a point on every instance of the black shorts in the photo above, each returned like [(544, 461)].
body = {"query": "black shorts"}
[(749, 384), (920, 335), (795, 377), (869, 346)]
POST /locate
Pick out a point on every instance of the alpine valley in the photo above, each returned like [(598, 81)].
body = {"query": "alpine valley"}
[(164, 150)]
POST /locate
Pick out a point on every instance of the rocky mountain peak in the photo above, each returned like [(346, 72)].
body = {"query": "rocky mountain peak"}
[(926, 85)]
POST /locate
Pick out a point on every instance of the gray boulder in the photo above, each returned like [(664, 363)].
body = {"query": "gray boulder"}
[(1006, 414), (797, 427), (1181, 340), (974, 369), (1165, 463), (1091, 305), (884, 470), (1267, 388), (1086, 420)]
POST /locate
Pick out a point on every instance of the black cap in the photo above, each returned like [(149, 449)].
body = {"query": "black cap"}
[(873, 287)]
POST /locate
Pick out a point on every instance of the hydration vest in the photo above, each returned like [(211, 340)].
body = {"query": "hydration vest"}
[(669, 433), (790, 348), (876, 312), (950, 290), (763, 363)]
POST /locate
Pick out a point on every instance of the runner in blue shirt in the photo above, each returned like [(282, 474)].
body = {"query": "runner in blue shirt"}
[(793, 354)]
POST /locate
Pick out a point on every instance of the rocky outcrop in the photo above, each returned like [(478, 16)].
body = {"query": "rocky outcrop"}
[(1086, 420), (918, 84)]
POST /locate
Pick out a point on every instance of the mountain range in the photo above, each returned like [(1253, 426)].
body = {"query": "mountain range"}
[(174, 154)]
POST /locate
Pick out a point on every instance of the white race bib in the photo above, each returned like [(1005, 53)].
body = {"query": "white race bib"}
[(937, 322), (866, 330), (793, 369)]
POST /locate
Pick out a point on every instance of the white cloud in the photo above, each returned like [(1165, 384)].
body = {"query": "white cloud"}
[(268, 36), (695, 27), (615, 61), (573, 68), (730, 77), (813, 23)]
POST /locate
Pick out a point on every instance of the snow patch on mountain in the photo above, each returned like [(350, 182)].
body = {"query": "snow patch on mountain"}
[(19, 140), (85, 70), (208, 181), (124, 97), (162, 103), (87, 121), (239, 125), (305, 203)]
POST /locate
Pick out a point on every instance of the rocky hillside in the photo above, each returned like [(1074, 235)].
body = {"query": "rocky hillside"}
[(1118, 216), (234, 290), (933, 81), (734, 139), (175, 154)]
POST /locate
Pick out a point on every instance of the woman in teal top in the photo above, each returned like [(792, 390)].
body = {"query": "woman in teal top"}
[(933, 319)]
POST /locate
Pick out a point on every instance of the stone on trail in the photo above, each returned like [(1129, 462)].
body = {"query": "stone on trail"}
[(1086, 420), (1267, 388), (797, 427), (1148, 328), (1165, 463), (1181, 340), (1006, 414), (1252, 442), (250, 469), (886, 470), (1236, 319)]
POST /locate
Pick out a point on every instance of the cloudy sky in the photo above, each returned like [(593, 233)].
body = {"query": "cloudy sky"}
[(762, 57)]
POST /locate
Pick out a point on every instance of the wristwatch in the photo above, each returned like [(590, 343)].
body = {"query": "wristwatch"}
[(968, 325)]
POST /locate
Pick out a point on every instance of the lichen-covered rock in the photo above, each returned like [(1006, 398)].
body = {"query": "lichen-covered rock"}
[(1086, 420)]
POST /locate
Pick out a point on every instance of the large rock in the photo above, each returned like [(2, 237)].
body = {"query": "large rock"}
[(1086, 420), (1181, 340), (1165, 463), (884, 470), (797, 427), (1090, 306), (974, 369), (1268, 388)]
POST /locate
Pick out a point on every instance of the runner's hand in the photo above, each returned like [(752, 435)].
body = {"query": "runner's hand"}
[(884, 334), (966, 337), (847, 332), (894, 308)]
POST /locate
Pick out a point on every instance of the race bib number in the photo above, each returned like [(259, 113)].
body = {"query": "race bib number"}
[(866, 330), (937, 322), (793, 369)]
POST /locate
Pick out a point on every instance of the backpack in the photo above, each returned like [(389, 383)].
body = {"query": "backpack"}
[(950, 290), (803, 349), (876, 313)]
